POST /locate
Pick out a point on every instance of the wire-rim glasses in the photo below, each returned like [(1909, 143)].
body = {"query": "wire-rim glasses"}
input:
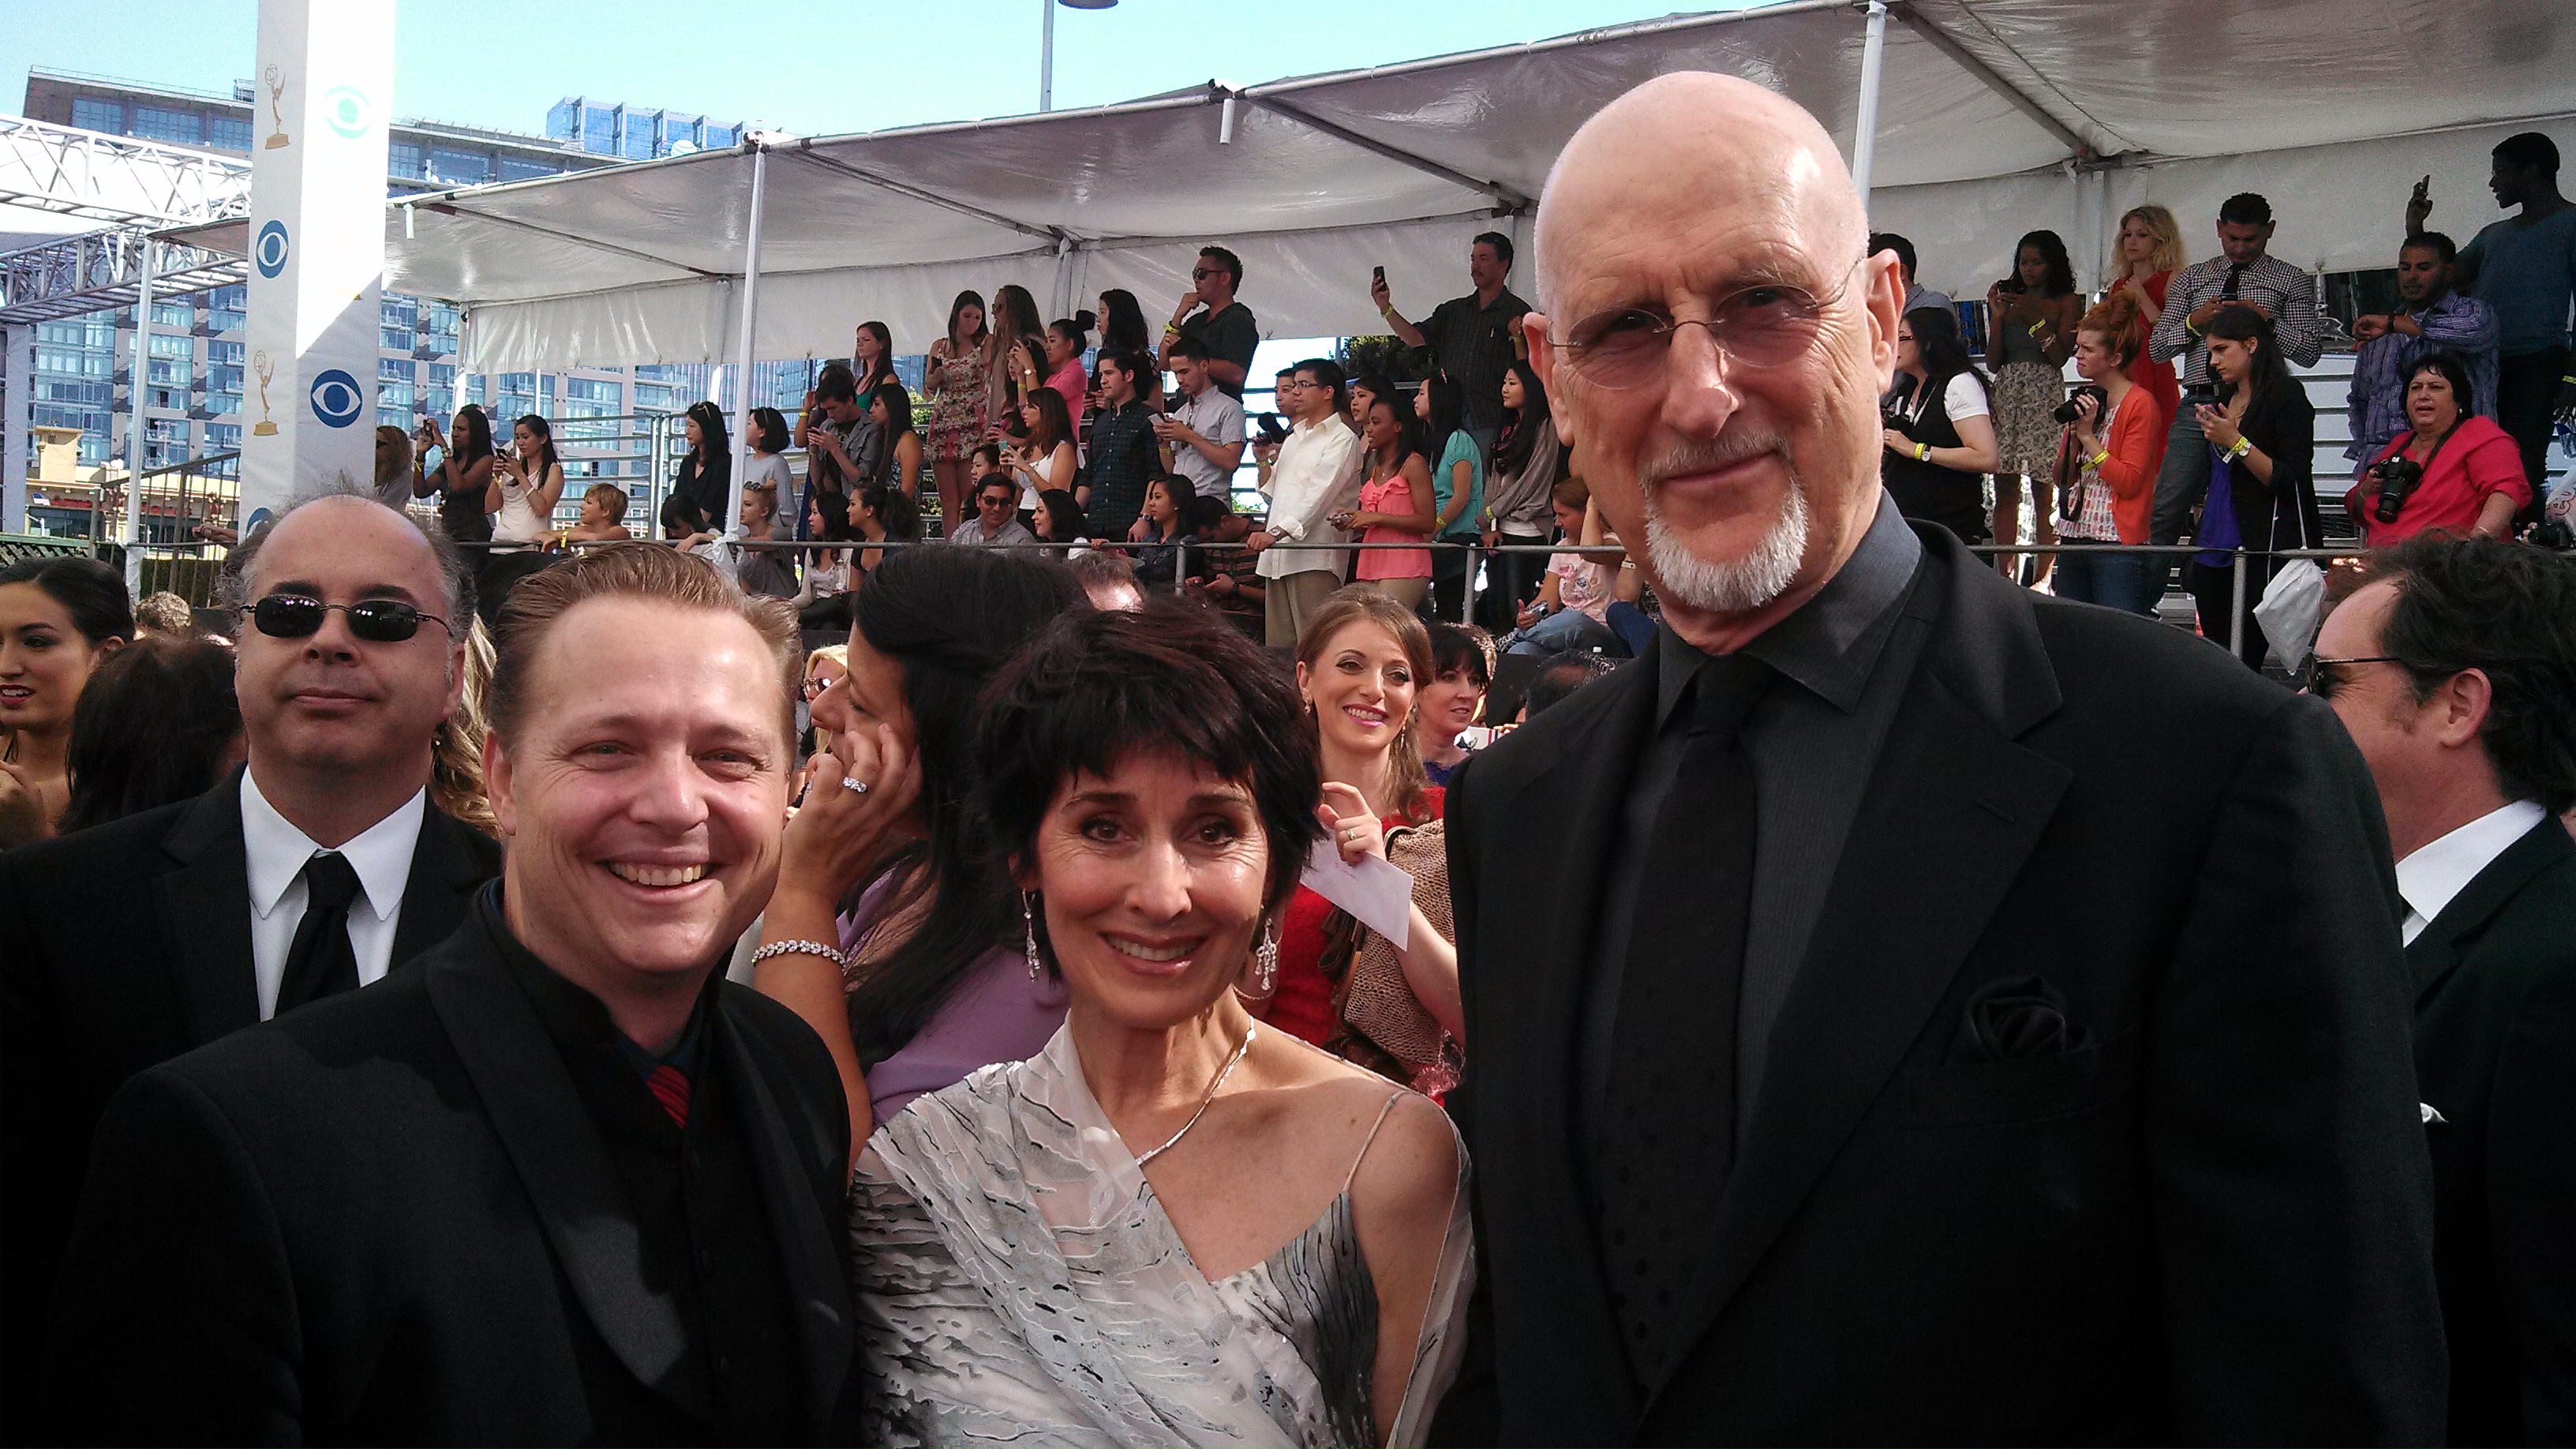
[(1769, 324)]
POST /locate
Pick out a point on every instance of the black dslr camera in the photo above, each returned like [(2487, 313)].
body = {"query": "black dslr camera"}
[(2200, 394), (2066, 410), (2397, 479)]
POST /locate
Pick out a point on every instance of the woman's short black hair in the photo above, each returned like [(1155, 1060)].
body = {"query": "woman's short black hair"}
[(2453, 371), (1097, 689), (769, 430), (2500, 608), (1064, 514), (713, 439), (152, 726), (1463, 646), (90, 591)]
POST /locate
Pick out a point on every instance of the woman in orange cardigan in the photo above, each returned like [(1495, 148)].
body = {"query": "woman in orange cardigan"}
[(2113, 450)]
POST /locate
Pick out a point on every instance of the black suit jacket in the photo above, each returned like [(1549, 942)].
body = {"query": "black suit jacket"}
[(388, 1217), (122, 946), (2495, 1052), (2210, 1218)]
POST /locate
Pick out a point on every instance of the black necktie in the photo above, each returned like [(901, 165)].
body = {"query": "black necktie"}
[(321, 962), (2235, 275), (1668, 1130)]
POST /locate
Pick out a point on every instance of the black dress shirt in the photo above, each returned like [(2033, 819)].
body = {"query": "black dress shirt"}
[(1472, 343), (695, 1193), (1845, 655)]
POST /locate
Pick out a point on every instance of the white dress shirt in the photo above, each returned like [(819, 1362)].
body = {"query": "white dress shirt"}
[(2430, 877), (276, 852), (1317, 475)]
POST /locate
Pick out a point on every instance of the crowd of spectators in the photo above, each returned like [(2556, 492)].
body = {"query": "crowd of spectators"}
[(815, 991)]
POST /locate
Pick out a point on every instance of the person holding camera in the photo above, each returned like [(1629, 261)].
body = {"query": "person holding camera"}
[(2113, 446), (2430, 317), (2452, 469), (2261, 439)]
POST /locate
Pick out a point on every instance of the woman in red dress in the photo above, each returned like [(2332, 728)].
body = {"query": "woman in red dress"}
[(1361, 662)]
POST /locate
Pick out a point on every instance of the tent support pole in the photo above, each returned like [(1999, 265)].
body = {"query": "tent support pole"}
[(134, 445), (1873, 55), (742, 348)]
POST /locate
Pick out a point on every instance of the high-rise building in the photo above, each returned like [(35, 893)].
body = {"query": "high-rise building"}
[(192, 387)]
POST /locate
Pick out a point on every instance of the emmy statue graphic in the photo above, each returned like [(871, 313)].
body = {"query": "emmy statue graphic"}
[(276, 108), (259, 363)]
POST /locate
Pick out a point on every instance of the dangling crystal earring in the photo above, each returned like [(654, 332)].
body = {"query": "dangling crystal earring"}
[(1029, 924), (1265, 962)]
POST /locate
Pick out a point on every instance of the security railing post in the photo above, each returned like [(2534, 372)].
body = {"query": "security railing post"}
[(2236, 607)]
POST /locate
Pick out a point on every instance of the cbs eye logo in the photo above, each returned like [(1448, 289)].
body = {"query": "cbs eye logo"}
[(337, 398), (269, 252)]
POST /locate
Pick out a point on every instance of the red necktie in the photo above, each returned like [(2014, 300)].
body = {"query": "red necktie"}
[(671, 1088)]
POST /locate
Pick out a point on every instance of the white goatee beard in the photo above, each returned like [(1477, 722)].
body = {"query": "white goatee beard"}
[(1735, 586)]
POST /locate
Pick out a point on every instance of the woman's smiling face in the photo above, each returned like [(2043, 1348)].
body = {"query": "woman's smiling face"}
[(1152, 878), (1361, 687)]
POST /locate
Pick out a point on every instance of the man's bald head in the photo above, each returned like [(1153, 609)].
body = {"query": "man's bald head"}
[(1697, 134), (1716, 341)]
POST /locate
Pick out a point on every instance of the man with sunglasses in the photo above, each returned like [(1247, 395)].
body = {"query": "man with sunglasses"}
[(1947, 1013), (2452, 666), (313, 870), (1209, 315)]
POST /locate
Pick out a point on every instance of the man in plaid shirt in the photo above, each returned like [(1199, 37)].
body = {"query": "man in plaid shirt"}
[(2242, 272)]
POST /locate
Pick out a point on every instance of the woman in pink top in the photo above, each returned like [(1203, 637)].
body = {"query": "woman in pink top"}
[(1065, 341), (1396, 504)]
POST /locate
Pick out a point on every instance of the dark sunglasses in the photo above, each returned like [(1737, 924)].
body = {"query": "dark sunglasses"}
[(378, 621), (2318, 677)]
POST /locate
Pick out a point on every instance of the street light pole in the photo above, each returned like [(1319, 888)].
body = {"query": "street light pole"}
[(1046, 44)]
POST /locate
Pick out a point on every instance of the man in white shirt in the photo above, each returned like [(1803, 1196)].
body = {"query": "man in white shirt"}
[(1317, 476), (1205, 433), (312, 871), (2453, 669)]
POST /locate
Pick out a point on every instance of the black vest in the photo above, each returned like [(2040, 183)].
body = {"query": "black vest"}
[(1949, 497)]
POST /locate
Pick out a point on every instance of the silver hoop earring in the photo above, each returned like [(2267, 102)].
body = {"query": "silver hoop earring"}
[(1029, 925)]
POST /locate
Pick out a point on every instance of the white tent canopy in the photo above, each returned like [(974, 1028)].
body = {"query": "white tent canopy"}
[(1995, 117)]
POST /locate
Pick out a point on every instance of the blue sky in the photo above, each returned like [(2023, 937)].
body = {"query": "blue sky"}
[(811, 68)]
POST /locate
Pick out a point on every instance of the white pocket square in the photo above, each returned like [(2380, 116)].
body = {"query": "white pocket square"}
[(2431, 1116)]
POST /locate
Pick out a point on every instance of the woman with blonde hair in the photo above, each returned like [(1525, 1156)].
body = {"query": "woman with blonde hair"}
[(393, 467), (456, 751), (2150, 253)]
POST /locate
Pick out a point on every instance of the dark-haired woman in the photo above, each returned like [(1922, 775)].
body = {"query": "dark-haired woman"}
[(706, 470), (1017, 330), (60, 618), (1528, 460), (463, 479), (1122, 323), (890, 408), (766, 465), (1940, 437), (879, 513), (925, 983), (157, 724), (1457, 488), (1059, 519), (1395, 505), (1066, 340), (2031, 317), (2262, 439), (530, 479), (1172, 1225), (823, 598), (1043, 461), (1453, 702), (2471, 470), (960, 406)]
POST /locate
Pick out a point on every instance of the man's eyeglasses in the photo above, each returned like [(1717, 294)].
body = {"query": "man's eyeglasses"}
[(378, 621), (2318, 676), (1771, 325), (1201, 274)]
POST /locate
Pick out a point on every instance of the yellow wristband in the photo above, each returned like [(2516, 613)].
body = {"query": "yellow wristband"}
[(1923, 452), (2097, 460), (2243, 446)]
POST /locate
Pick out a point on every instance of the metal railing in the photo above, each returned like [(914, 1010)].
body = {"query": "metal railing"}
[(2240, 566)]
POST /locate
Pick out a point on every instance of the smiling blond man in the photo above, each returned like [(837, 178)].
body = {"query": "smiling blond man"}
[(558, 1181)]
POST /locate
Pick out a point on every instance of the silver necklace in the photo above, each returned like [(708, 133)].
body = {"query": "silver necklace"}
[(1209, 1100)]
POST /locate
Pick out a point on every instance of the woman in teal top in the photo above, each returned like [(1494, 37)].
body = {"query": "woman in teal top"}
[(1458, 489)]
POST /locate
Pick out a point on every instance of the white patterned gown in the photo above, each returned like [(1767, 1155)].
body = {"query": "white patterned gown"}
[(1018, 1283)]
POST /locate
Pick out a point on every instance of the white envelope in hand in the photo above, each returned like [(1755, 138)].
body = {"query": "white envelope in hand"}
[(1377, 892)]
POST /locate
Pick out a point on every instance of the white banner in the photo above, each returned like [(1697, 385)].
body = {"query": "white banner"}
[(317, 245)]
